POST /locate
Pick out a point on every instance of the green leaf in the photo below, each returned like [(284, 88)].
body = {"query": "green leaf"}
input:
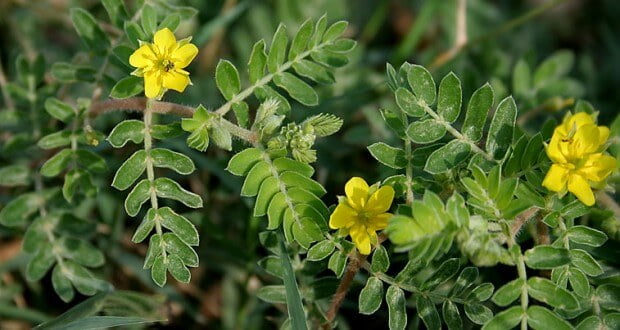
[(342, 45), (507, 319), (178, 269), (548, 292), (450, 98), (466, 279), (579, 282), (277, 51), (130, 171), (176, 246), (451, 315), (55, 140), (306, 231), (482, 292), (81, 252), (17, 211), (159, 270), (428, 312), (371, 296), (508, 293), (321, 250), (586, 235), (584, 261), (138, 196), (397, 309), (609, 296), (314, 71), (145, 227), (155, 249), (380, 260), (324, 124), (91, 161), (173, 160), (179, 225), (408, 103), (335, 31), (241, 163), (116, 11), (422, 84), (541, 318), (171, 21), (478, 313), (242, 113), (388, 155), (273, 294), (328, 58), (167, 188), (134, 33), (148, 20), (105, 322), (293, 298), (319, 30), (502, 125), (14, 175), (62, 285), (272, 265), (425, 131), (477, 110), (89, 31), (127, 130), (546, 257), (56, 164), (127, 87), (40, 263), (59, 110), (557, 65), (521, 78), (446, 271), (227, 79), (447, 157), (257, 62), (296, 88), (337, 263), (300, 41), (255, 177)]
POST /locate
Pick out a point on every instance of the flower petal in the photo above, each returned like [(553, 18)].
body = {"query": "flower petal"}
[(580, 187), (175, 80), (142, 57), (556, 178), (381, 200), (380, 221), (184, 55), (585, 141), (165, 40), (357, 192), (598, 167), (343, 216), (553, 149), (603, 134), (361, 239), (152, 83)]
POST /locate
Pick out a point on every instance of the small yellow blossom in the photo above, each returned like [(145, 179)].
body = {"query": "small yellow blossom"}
[(162, 62), (362, 212), (576, 150)]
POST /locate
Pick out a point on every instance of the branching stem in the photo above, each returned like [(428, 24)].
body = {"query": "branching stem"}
[(353, 267)]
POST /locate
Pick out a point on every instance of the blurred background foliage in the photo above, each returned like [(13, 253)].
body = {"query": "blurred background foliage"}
[(222, 293)]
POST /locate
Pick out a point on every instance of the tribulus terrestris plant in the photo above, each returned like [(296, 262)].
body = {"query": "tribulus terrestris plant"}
[(133, 181)]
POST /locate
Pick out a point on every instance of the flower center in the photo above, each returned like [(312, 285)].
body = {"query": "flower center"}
[(167, 65)]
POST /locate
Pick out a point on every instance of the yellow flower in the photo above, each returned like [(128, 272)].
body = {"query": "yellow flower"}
[(162, 62), (362, 212), (576, 150)]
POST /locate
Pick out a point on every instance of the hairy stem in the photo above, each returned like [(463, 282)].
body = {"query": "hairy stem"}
[(8, 100), (139, 104), (353, 267)]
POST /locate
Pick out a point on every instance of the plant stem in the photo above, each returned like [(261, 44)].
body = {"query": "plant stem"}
[(353, 267), (457, 134), (409, 172), (139, 104), (8, 100), (150, 172), (445, 57)]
